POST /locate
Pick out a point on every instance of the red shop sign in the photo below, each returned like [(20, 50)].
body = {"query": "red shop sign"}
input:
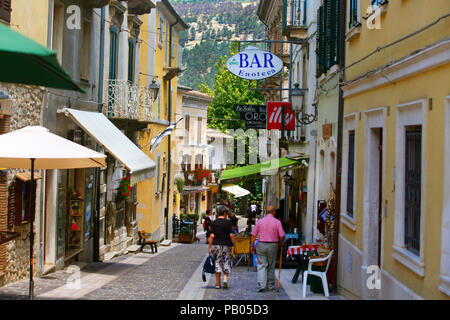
[(274, 112)]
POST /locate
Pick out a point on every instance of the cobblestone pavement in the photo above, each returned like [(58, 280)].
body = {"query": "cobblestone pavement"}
[(173, 273)]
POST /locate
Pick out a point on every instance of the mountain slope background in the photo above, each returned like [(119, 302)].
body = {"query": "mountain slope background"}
[(212, 24)]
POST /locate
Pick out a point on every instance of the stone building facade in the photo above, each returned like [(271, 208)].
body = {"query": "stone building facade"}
[(26, 110)]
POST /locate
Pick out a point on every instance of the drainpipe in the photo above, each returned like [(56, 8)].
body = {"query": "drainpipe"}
[(334, 261), (96, 256), (169, 160)]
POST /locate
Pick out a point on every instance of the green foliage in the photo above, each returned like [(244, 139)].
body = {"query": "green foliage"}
[(231, 20), (180, 185), (227, 91)]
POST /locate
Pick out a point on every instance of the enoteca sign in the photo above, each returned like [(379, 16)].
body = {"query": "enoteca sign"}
[(254, 64)]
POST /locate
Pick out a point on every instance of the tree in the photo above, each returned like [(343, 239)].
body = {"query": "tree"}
[(229, 90)]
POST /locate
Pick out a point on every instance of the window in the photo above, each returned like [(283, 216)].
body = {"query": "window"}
[(172, 43), (413, 173), (58, 27), (160, 35), (158, 172), (113, 53), (186, 163), (158, 110), (350, 172), (22, 201), (166, 46), (131, 60), (5, 10), (199, 130), (186, 128), (198, 161), (377, 2), (353, 14), (85, 50), (328, 35)]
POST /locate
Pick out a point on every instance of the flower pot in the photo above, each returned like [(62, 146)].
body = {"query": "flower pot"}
[(185, 237)]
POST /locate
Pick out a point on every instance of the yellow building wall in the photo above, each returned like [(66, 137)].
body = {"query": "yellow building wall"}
[(402, 18), (151, 206), (30, 18)]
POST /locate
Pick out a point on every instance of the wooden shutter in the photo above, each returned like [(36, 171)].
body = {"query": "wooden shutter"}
[(11, 205), (22, 202), (5, 10)]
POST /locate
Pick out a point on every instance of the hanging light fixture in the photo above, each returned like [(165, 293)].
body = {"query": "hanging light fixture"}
[(155, 88), (297, 97)]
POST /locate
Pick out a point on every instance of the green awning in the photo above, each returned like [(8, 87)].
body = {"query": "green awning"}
[(257, 168), (25, 61)]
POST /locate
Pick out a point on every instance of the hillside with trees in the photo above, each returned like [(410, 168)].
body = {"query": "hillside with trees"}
[(212, 24)]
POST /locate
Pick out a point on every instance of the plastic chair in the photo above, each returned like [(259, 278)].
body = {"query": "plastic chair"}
[(322, 275)]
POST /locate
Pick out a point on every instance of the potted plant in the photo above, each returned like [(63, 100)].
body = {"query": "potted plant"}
[(124, 191), (185, 234)]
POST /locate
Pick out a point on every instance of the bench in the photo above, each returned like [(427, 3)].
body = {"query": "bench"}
[(143, 241)]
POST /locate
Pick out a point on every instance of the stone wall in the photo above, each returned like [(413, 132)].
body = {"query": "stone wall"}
[(26, 111)]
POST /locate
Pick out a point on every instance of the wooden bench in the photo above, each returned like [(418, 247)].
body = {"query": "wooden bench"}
[(143, 241)]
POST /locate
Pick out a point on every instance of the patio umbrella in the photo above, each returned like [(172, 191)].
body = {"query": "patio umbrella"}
[(25, 61), (35, 147)]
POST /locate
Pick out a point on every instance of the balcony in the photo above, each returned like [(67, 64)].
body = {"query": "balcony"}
[(294, 20), (128, 101)]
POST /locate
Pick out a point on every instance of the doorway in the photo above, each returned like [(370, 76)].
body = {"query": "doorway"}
[(374, 197)]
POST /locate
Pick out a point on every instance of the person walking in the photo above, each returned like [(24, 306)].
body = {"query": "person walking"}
[(270, 236), (220, 242), (234, 222), (207, 225)]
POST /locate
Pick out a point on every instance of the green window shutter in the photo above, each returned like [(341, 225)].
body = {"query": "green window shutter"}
[(328, 33), (320, 41), (353, 14), (338, 31), (113, 53)]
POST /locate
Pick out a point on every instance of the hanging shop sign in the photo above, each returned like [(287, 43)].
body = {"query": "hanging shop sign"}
[(253, 115), (274, 115), (254, 64)]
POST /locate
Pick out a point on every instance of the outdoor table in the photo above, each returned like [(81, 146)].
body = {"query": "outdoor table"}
[(301, 254), (6, 236)]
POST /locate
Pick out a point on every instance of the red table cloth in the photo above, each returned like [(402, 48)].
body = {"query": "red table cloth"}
[(298, 250)]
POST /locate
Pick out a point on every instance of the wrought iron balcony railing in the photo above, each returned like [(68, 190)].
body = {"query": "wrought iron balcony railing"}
[(126, 100), (294, 18)]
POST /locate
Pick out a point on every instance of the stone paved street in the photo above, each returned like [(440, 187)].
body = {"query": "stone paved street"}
[(172, 273)]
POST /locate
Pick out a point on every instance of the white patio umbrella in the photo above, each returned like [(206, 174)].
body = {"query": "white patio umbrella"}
[(37, 148)]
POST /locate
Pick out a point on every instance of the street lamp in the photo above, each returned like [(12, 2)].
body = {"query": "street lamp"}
[(154, 87), (297, 97)]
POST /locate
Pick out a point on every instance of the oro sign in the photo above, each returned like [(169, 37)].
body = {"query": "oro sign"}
[(254, 64)]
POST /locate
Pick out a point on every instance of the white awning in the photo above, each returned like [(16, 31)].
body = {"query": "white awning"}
[(118, 145), (236, 190)]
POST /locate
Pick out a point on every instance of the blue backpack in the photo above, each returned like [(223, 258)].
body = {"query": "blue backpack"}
[(208, 267)]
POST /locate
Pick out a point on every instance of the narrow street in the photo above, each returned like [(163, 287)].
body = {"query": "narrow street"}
[(174, 273)]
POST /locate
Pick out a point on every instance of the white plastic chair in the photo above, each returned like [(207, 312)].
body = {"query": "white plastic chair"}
[(322, 275)]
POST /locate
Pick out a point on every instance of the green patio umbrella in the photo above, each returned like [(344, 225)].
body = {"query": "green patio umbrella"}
[(25, 61)]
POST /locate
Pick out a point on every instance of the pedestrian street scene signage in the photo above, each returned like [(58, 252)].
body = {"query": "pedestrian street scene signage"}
[(253, 115), (274, 115), (254, 64)]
